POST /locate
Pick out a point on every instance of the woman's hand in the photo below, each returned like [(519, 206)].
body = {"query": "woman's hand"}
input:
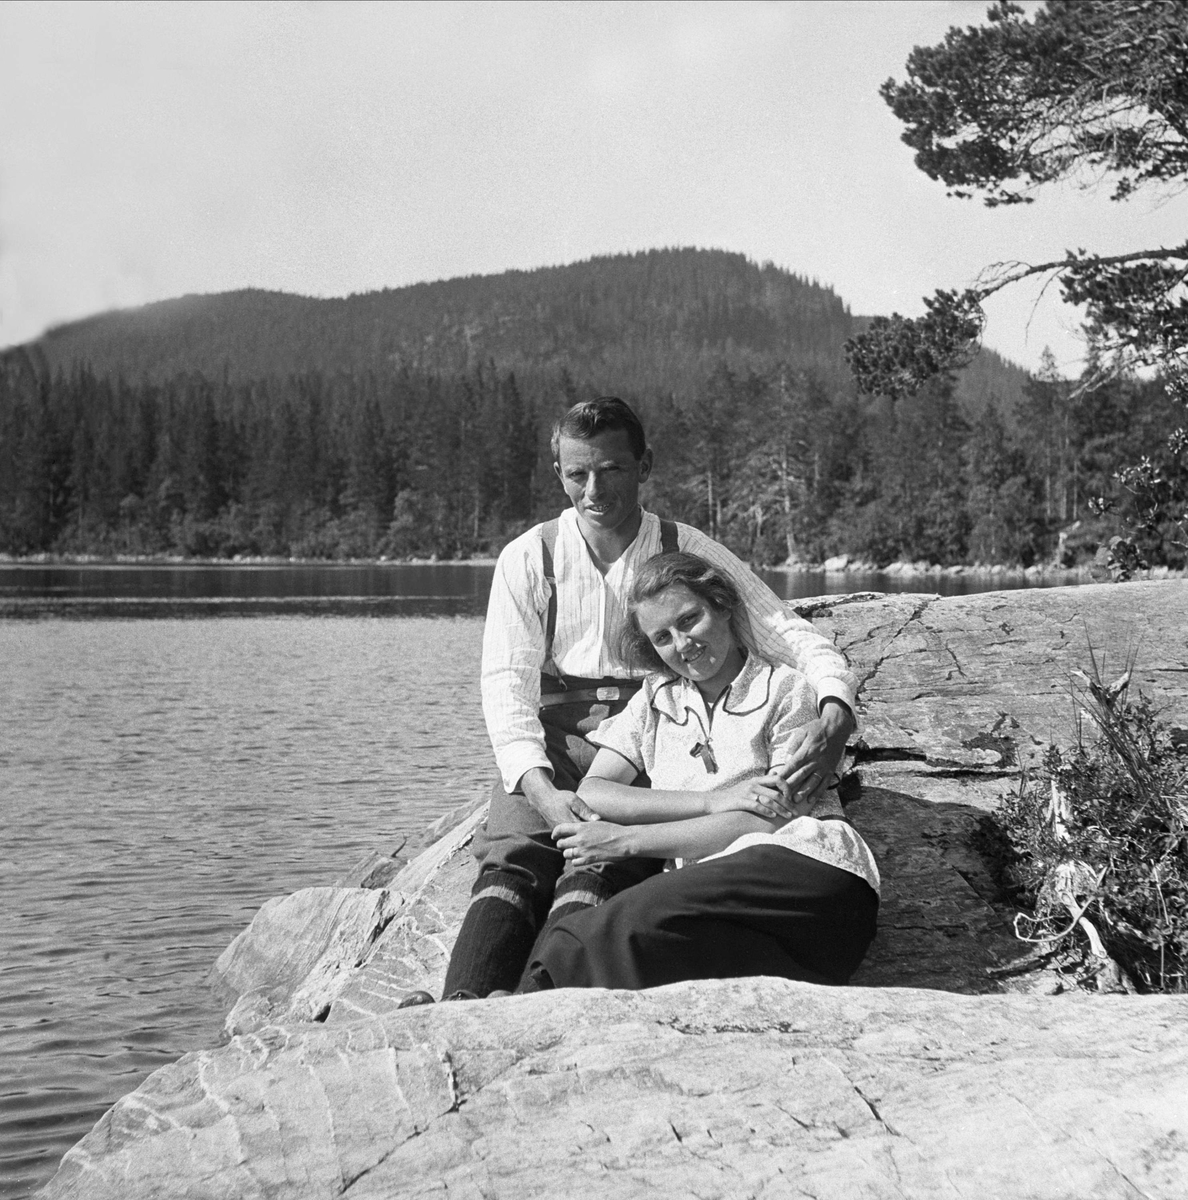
[(767, 796), (588, 842)]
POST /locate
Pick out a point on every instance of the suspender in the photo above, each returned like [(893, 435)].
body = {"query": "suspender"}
[(548, 547)]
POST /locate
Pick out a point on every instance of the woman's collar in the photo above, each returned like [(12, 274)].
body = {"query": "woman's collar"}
[(747, 691), (750, 688)]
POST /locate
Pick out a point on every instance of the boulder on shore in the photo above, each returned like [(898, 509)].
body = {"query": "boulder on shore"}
[(926, 1077)]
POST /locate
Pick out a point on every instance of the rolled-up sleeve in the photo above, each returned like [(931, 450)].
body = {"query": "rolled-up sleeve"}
[(513, 654), (627, 732), (777, 634)]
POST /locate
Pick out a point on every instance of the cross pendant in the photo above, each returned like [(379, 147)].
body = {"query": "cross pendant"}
[(703, 751)]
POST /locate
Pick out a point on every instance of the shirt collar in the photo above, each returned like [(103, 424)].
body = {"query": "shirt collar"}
[(675, 697), (649, 524)]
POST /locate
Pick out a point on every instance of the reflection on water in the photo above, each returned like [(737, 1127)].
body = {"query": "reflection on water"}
[(159, 780), (86, 591)]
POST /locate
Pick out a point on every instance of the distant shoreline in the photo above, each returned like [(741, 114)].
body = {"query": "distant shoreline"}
[(244, 560), (833, 566)]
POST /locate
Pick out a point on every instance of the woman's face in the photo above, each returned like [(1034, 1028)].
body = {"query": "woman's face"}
[(691, 636)]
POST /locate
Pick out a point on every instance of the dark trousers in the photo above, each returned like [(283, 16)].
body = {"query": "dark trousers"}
[(521, 871), (766, 910)]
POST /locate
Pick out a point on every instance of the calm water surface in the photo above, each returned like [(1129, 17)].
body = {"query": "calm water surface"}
[(163, 773), (159, 780), (184, 589)]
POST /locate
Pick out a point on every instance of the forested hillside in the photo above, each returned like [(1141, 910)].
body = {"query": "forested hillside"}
[(639, 317), (660, 320), (415, 422)]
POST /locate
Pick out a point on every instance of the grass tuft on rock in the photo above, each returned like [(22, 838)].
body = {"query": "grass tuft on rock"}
[(1095, 844)]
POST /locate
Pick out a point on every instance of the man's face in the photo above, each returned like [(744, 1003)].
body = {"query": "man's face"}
[(602, 477)]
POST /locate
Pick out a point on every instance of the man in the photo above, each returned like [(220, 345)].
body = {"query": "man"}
[(551, 673)]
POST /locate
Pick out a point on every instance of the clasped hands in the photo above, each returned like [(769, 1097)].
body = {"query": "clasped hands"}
[(814, 753), (592, 840)]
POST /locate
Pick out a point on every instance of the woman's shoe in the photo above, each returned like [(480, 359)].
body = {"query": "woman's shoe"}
[(415, 1000), (461, 994)]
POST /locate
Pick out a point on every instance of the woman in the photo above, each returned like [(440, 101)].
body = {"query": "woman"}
[(764, 889)]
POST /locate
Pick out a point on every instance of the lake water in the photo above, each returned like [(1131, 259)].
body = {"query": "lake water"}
[(164, 772)]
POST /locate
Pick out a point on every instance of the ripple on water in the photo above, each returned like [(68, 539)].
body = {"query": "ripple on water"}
[(161, 780)]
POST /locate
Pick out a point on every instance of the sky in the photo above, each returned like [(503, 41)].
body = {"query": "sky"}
[(151, 150)]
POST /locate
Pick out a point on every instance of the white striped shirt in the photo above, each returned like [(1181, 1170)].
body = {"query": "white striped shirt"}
[(591, 614)]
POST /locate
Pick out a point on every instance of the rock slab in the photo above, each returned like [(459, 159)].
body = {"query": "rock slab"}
[(970, 688), (756, 1088)]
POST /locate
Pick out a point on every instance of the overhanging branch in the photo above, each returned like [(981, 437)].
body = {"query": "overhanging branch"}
[(1016, 271)]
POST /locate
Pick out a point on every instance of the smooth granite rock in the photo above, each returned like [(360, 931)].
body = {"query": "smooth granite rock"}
[(972, 687), (296, 950), (302, 952), (737, 1088), (925, 1078)]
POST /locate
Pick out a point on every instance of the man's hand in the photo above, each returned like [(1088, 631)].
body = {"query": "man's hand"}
[(588, 842), (555, 805), (816, 749)]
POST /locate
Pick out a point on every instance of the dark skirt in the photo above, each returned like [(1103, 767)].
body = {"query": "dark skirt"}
[(765, 910)]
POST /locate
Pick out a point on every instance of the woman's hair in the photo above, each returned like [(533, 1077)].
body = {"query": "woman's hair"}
[(658, 574)]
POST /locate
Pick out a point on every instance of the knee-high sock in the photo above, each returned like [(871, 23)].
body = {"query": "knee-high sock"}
[(576, 891), (496, 937)]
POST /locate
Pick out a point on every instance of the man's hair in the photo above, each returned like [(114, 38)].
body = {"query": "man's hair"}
[(702, 578), (589, 418)]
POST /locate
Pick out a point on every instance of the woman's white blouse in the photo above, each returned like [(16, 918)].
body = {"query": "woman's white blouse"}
[(667, 727)]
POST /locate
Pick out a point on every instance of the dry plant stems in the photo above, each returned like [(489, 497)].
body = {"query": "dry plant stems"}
[(1100, 835)]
